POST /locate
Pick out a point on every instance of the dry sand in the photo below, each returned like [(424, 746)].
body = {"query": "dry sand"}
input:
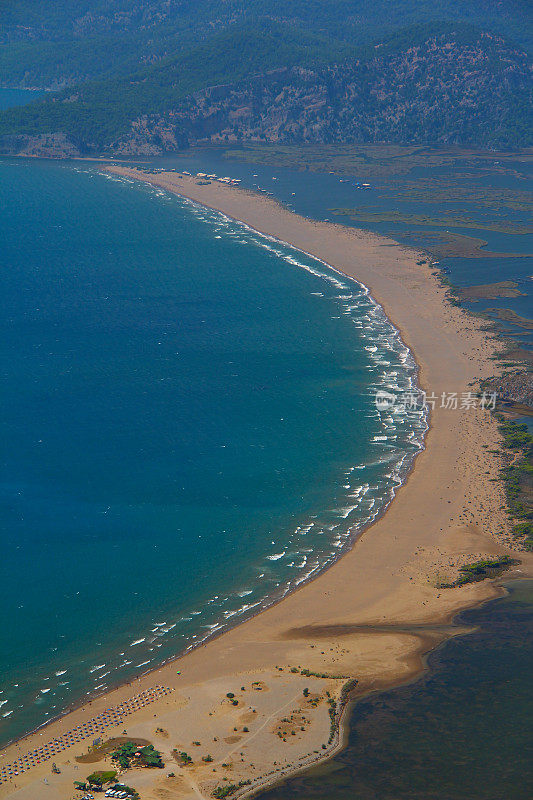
[(373, 614)]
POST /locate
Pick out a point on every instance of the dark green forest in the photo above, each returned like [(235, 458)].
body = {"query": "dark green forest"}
[(112, 63)]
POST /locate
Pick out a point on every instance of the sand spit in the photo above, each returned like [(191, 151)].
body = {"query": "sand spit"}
[(374, 614)]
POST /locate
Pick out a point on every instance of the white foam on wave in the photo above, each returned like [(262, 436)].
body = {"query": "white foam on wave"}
[(345, 512), (137, 641), (372, 324), (276, 556)]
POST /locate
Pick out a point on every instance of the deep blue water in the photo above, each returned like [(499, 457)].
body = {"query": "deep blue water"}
[(188, 428)]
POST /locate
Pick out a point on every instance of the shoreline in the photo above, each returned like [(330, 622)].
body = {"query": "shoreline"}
[(310, 601), (283, 590), (353, 698)]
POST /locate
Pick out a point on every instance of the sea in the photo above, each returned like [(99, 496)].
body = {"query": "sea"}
[(480, 189), (189, 428)]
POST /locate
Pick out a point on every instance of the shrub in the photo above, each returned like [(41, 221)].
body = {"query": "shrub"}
[(101, 777)]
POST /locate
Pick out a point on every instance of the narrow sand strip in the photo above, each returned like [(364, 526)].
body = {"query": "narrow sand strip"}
[(375, 612)]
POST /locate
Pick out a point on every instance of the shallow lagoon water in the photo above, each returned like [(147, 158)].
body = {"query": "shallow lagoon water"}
[(463, 731)]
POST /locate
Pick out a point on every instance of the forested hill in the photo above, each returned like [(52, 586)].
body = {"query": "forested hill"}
[(132, 76)]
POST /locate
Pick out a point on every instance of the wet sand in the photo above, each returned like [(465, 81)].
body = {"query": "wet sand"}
[(376, 611)]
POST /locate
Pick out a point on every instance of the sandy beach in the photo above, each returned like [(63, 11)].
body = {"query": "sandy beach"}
[(371, 617)]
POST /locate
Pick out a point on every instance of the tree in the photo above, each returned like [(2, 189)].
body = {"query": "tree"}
[(101, 777)]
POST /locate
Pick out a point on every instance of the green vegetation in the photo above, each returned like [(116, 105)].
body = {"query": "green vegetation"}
[(131, 755), (479, 570), (231, 788), (510, 316), (518, 479), (101, 777), (122, 61), (365, 216), (332, 711), (99, 751), (70, 40), (98, 112), (438, 190), (382, 161), (182, 757), (490, 290), (348, 687), (307, 673)]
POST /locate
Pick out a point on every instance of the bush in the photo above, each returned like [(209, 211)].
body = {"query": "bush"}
[(101, 777), (479, 570)]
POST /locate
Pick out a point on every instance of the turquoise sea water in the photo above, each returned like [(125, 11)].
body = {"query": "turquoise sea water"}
[(188, 428)]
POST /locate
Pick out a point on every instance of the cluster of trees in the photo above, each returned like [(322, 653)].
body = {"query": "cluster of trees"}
[(121, 60), (130, 754)]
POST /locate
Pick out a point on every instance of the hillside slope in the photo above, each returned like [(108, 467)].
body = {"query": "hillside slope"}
[(60, 43), (441, 91), (148, 77)]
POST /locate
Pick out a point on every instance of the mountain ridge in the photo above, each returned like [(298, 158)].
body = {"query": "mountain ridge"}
[(432, 82)]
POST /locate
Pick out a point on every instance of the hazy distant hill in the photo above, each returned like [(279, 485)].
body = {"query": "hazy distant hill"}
[(140, 76)]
